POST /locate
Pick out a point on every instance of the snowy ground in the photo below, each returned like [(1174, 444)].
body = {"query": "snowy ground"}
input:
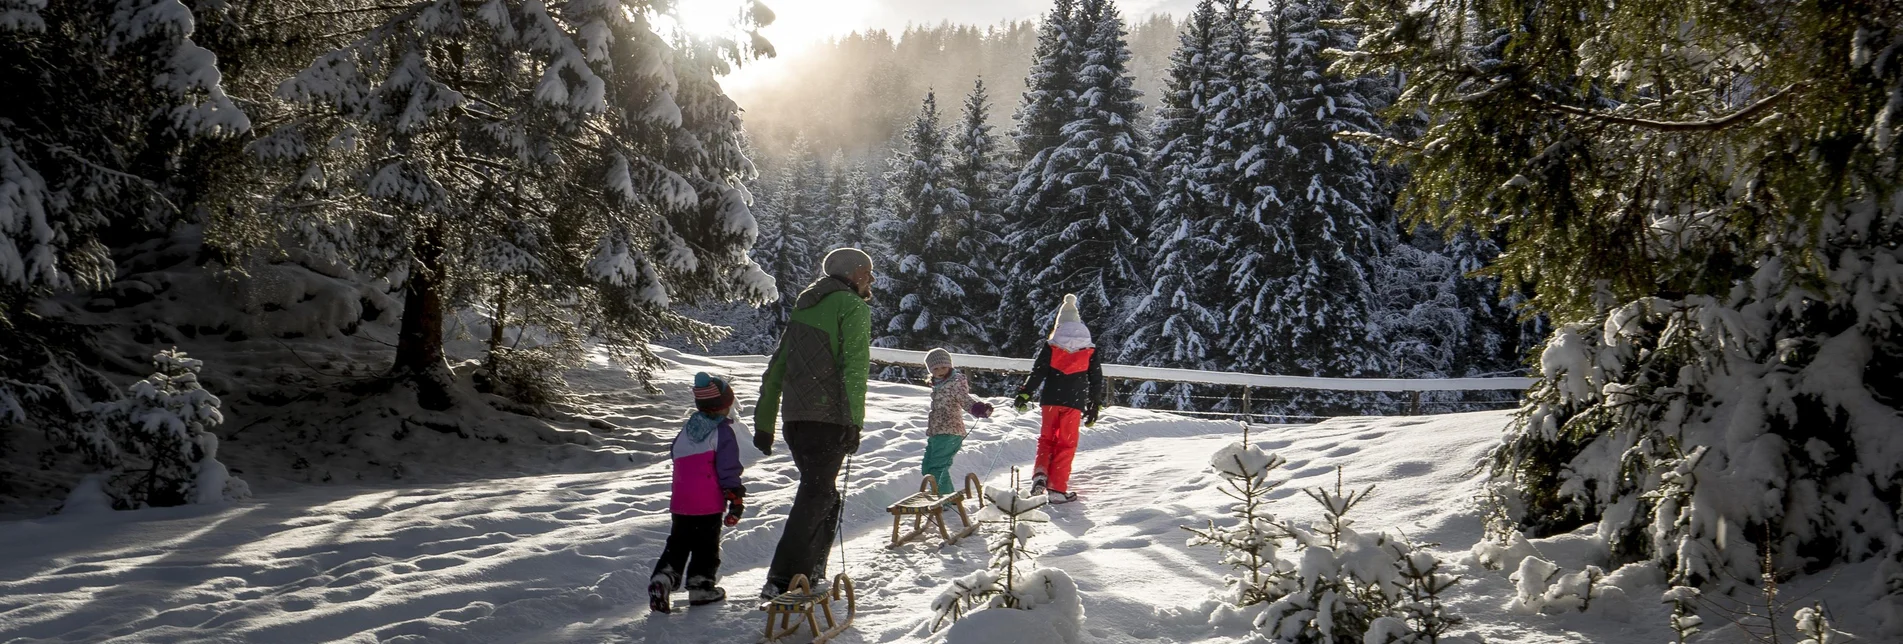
[(564, 557)]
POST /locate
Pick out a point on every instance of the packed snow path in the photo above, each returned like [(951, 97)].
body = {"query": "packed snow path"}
[(565, 558)]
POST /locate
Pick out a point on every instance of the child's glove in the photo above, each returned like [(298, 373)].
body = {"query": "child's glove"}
[(736, 505), (1023, 403), (980, 410), (1090, 417)]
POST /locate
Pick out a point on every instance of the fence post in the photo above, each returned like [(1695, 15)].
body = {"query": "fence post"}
[(1245, 413), (1413, 403)]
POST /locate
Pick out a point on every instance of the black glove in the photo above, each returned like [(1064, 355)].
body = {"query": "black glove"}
[(852, 440), (736, 505), (763, 440), (1022, 403), (1090, 417)]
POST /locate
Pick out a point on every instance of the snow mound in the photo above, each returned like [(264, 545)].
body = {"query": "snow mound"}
[(1006, 626)]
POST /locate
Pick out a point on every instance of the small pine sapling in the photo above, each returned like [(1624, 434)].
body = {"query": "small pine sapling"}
[(164, 424), (1010, 553), (1250, 546), (1685, 619), (1005, 583), (1344, 579), (1423, 582), (1889, 588), (1814, 625)]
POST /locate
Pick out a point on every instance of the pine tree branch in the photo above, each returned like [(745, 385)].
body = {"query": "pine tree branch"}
[(148, 184), (1706, 125), (333, 12)]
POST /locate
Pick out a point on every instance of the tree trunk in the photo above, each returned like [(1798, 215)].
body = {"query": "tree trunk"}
[(500, 321), (419, 345)]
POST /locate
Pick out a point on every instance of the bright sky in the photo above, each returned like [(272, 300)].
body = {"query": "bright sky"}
[(801, 23)]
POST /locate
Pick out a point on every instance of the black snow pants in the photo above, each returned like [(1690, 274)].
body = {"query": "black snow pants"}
[(693, 547), (818, 450)]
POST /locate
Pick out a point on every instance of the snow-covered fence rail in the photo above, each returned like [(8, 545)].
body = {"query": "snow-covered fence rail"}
[(1248, 381)]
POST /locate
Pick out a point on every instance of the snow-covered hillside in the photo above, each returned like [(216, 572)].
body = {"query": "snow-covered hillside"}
[(565, 557)]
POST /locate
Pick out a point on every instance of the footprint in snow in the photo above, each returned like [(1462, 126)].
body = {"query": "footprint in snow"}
[(1410, 468), (1068, 547)]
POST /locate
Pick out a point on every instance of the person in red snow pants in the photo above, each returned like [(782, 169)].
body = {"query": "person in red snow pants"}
[(1068, 380), (1056, 444)]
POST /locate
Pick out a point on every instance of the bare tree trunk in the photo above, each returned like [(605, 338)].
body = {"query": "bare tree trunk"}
[(500, 321)]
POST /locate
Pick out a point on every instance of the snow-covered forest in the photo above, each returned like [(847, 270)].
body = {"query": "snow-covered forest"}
[(376, 320), (1211, 221)]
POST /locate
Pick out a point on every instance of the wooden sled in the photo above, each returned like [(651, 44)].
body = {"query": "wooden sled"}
[(794, 608), (927, 509)]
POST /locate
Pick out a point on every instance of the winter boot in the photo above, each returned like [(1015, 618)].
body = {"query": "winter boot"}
[(659, 587), (701, 591), (771, 589), (1062, 497), (1037, 485)]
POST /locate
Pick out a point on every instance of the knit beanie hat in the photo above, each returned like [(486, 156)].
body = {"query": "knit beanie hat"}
[(842, 262), (711, 394), (1067, 312), (937, 357), (1069, 332)]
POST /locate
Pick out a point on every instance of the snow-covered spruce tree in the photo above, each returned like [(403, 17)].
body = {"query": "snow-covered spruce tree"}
[(1079, 206), (1717, 238), (785, 249), (1047, 104), (976, 237), (1251, 545), (446, 129), (102, 98), (923, 284), (857, 206), (165, 453), (1439, 320), (1170, 325), (1299, 241), (1050, 94), (840, 203)]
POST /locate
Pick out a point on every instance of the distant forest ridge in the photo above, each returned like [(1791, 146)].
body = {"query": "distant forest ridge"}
[(855, 93)]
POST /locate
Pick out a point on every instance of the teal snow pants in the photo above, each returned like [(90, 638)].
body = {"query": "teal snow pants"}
[(939, 450)]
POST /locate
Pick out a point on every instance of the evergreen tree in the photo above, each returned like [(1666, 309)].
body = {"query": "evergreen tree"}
[(1171, 325), (1050, 95), (1298, 240), (1076, 205), (786, 250), (107, 104), (923, 283), (448, 145), (858, 207), (978, 173), (1714, 236)]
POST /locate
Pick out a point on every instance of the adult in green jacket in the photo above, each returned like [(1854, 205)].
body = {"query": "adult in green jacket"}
[(817, 381)]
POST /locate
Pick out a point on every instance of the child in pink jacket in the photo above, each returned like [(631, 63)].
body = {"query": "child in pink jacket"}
[(706, 484)]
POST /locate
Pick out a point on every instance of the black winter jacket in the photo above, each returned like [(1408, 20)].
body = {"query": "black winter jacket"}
[(1071, 379)]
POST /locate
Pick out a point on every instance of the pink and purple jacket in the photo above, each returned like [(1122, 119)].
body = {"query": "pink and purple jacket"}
[(706, 462)]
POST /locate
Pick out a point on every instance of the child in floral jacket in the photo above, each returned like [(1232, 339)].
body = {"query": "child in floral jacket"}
[(951, 398), (706, 484)]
